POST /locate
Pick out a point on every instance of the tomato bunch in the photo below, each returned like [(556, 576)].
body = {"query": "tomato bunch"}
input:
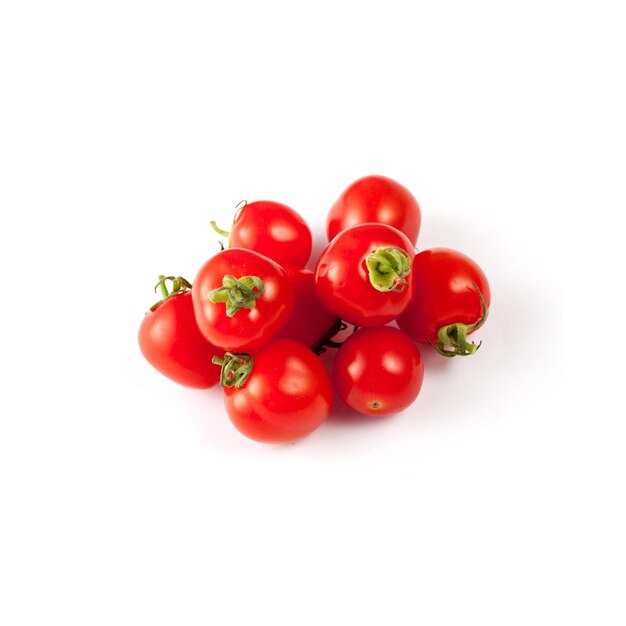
[(256, 319)]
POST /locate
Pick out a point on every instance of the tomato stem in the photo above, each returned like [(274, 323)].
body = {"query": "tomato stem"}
[(452, 339), (219, 231), (238, 293), (388, 269), (236, 368), (327, 340), (179, 285), (226, 233)]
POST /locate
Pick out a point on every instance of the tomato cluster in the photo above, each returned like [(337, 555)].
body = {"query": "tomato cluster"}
[(256, 320)]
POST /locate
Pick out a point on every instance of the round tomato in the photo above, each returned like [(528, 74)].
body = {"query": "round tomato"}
[(171, 342), (452, 301), (378, 371), (310, 322), (364, 275), (376, 199), (280, 394), (241, 299), (272, 229)]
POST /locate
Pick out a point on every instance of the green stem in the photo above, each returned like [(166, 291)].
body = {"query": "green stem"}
[(452, 339), (179, 285), (226, 233), (238, 293), (388, 269), (236, 368), (220, 231)]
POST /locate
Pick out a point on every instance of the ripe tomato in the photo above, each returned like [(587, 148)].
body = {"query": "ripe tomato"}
[(364, 275), (272, 229), (452, 301), (378, 371), (171, 342), (376, 199), (281, 394), (241, 299), (310, 322)]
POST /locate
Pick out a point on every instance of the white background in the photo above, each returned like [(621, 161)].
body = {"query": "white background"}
[(125, 128)]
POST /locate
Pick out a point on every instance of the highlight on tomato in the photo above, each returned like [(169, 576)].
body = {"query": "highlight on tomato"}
[(378, 371), (376, 199), (280, 394), (241, 299), (271, 229), (453, 299), (364, 276), (171, 341)]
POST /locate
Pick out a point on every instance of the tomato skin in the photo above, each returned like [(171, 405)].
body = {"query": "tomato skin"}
[(286, 397), (248, 329), (445, 293), (376, 199), (171, 342), (310, 321), (342, 280), (378, 371), (274, 230)]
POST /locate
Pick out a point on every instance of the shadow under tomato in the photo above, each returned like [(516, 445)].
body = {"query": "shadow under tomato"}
[(344, 414)]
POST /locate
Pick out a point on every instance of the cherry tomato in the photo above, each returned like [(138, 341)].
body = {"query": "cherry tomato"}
[(310, 322), (452, 300), (171, 342), (364, 275), (241, 299), (376, 199), (378, 371), (272, 229), (280, 394)]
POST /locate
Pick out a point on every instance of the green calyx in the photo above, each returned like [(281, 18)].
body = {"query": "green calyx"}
[(226, 233), (179, 285), (388, 269), (452, 339), (238, 293), (235, 368)]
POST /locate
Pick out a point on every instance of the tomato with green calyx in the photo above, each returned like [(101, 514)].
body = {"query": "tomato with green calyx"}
[(376, 199), (378, 371), (452, 301), (171, 341), (280, 394), (272, 229), (241, 299), (364, 276)]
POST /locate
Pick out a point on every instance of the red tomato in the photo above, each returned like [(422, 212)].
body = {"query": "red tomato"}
[(378, 371), (364, 275), (171, 342), (376, 199), (452, 301), (310, 322), (241, 299), (281, 394), (272, 229)]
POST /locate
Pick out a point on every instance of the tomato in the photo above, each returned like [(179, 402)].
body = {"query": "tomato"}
[(378, 371), (376, 199), (241, 299), (171, 342), (310, 322), (452, 301), (364, 275), (272, 229), (280, 394)]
